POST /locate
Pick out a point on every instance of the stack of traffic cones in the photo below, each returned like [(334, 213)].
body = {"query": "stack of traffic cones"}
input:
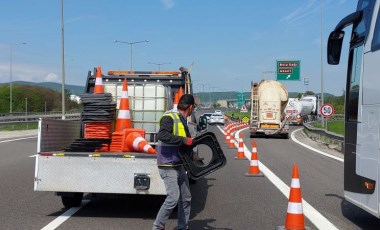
[(98, 89), (254, 162), (124, 117), (240, 153), (97, 130), (136, 142), (295, 218)]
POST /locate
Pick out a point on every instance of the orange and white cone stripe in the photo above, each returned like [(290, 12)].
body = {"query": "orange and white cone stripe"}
[(240, 153), (295, 218), (254, 162), (124, 117), (98, 89)]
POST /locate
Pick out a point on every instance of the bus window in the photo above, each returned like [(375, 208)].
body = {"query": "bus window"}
[(376, 36), (354, 85)]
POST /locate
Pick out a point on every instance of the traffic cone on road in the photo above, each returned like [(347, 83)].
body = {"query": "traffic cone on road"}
[(240, 153), (232, 141), (98, 89), (254, 162), (124, 117), (137, 143), (295, 218)]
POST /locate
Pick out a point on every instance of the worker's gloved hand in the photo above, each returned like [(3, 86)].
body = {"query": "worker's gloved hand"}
[(189, 141)]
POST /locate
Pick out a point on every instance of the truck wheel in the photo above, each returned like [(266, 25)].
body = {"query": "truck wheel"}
[(285, 136), (74, 200)]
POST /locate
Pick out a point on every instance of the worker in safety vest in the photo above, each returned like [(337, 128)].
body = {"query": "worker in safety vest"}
[(174, 133)]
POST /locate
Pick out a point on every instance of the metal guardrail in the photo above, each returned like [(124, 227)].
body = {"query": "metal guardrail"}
[(34, 118), (322, 135)]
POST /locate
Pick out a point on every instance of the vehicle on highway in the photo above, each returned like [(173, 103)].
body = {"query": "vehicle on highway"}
[(207, 115), (218, 111), (216, 119), (91, 155), (362, 104)]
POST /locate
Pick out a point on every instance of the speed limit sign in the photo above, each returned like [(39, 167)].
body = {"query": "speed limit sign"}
[(327, 110)]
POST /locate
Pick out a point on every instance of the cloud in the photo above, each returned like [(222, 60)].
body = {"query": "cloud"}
[(28, 72), (168, 4), (51, 77), (303, 11)]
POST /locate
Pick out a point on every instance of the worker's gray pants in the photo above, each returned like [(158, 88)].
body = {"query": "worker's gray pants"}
[(178, 192)]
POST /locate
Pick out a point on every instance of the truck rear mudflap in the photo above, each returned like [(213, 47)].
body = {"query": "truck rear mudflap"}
[(98, 173)]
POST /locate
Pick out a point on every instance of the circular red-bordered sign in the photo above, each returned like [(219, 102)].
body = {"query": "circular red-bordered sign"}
[(327, 110)]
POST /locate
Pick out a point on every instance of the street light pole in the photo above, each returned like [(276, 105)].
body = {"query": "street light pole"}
[(131, 44), (322, 100), (63, 62), (159, 64)]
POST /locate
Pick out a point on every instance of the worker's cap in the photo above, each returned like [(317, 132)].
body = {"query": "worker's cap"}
[(186, 99)]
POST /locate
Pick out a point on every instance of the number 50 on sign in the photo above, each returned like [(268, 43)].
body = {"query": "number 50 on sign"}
[(327, 110)]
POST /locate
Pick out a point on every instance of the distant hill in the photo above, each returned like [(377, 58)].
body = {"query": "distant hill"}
[(204, 96), (73, 89)]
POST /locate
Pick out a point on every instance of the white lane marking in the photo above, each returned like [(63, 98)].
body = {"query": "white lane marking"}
[(310, 212), (65, 216), (23, 138), (35, 155), (313, 149)]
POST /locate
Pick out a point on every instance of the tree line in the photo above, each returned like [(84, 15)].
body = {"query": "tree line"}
[(34, 99)]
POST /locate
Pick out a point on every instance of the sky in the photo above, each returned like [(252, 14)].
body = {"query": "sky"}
[(225, 44)]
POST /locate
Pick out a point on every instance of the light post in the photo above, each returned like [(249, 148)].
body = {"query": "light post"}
[(26, 108), (322, 100), (63, 62), (11, 78), (159, 64), (131, 44)]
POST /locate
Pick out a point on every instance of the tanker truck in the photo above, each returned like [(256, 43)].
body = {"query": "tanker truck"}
[(268, 101), (298, 111)]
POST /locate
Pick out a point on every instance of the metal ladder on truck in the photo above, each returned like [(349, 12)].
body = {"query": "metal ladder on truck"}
[(254, 102)]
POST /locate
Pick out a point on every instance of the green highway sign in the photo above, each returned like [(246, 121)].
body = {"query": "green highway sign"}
[(240, 99), (288, 70)]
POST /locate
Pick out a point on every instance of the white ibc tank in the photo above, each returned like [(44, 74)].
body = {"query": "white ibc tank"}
[(146, 103)]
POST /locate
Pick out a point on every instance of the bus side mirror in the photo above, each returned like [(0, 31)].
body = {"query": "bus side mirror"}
[(334, 47), (202, 123)]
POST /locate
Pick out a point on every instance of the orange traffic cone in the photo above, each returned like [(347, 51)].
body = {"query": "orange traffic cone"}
[(180, 92), (295, 218), (176, 101), (254, 162), (137, 143), (228, 137), (98, 89), (232, 141), (124, 117), (240, 152)]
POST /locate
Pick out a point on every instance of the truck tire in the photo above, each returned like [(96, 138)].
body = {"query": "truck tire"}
[(74, 200), (285, 136)]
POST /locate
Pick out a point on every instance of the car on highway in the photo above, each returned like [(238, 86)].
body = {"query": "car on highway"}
[(207, 115), (216, 118), (218, 111)]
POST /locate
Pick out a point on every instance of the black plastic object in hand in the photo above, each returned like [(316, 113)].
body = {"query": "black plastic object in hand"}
[(198, 170)]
